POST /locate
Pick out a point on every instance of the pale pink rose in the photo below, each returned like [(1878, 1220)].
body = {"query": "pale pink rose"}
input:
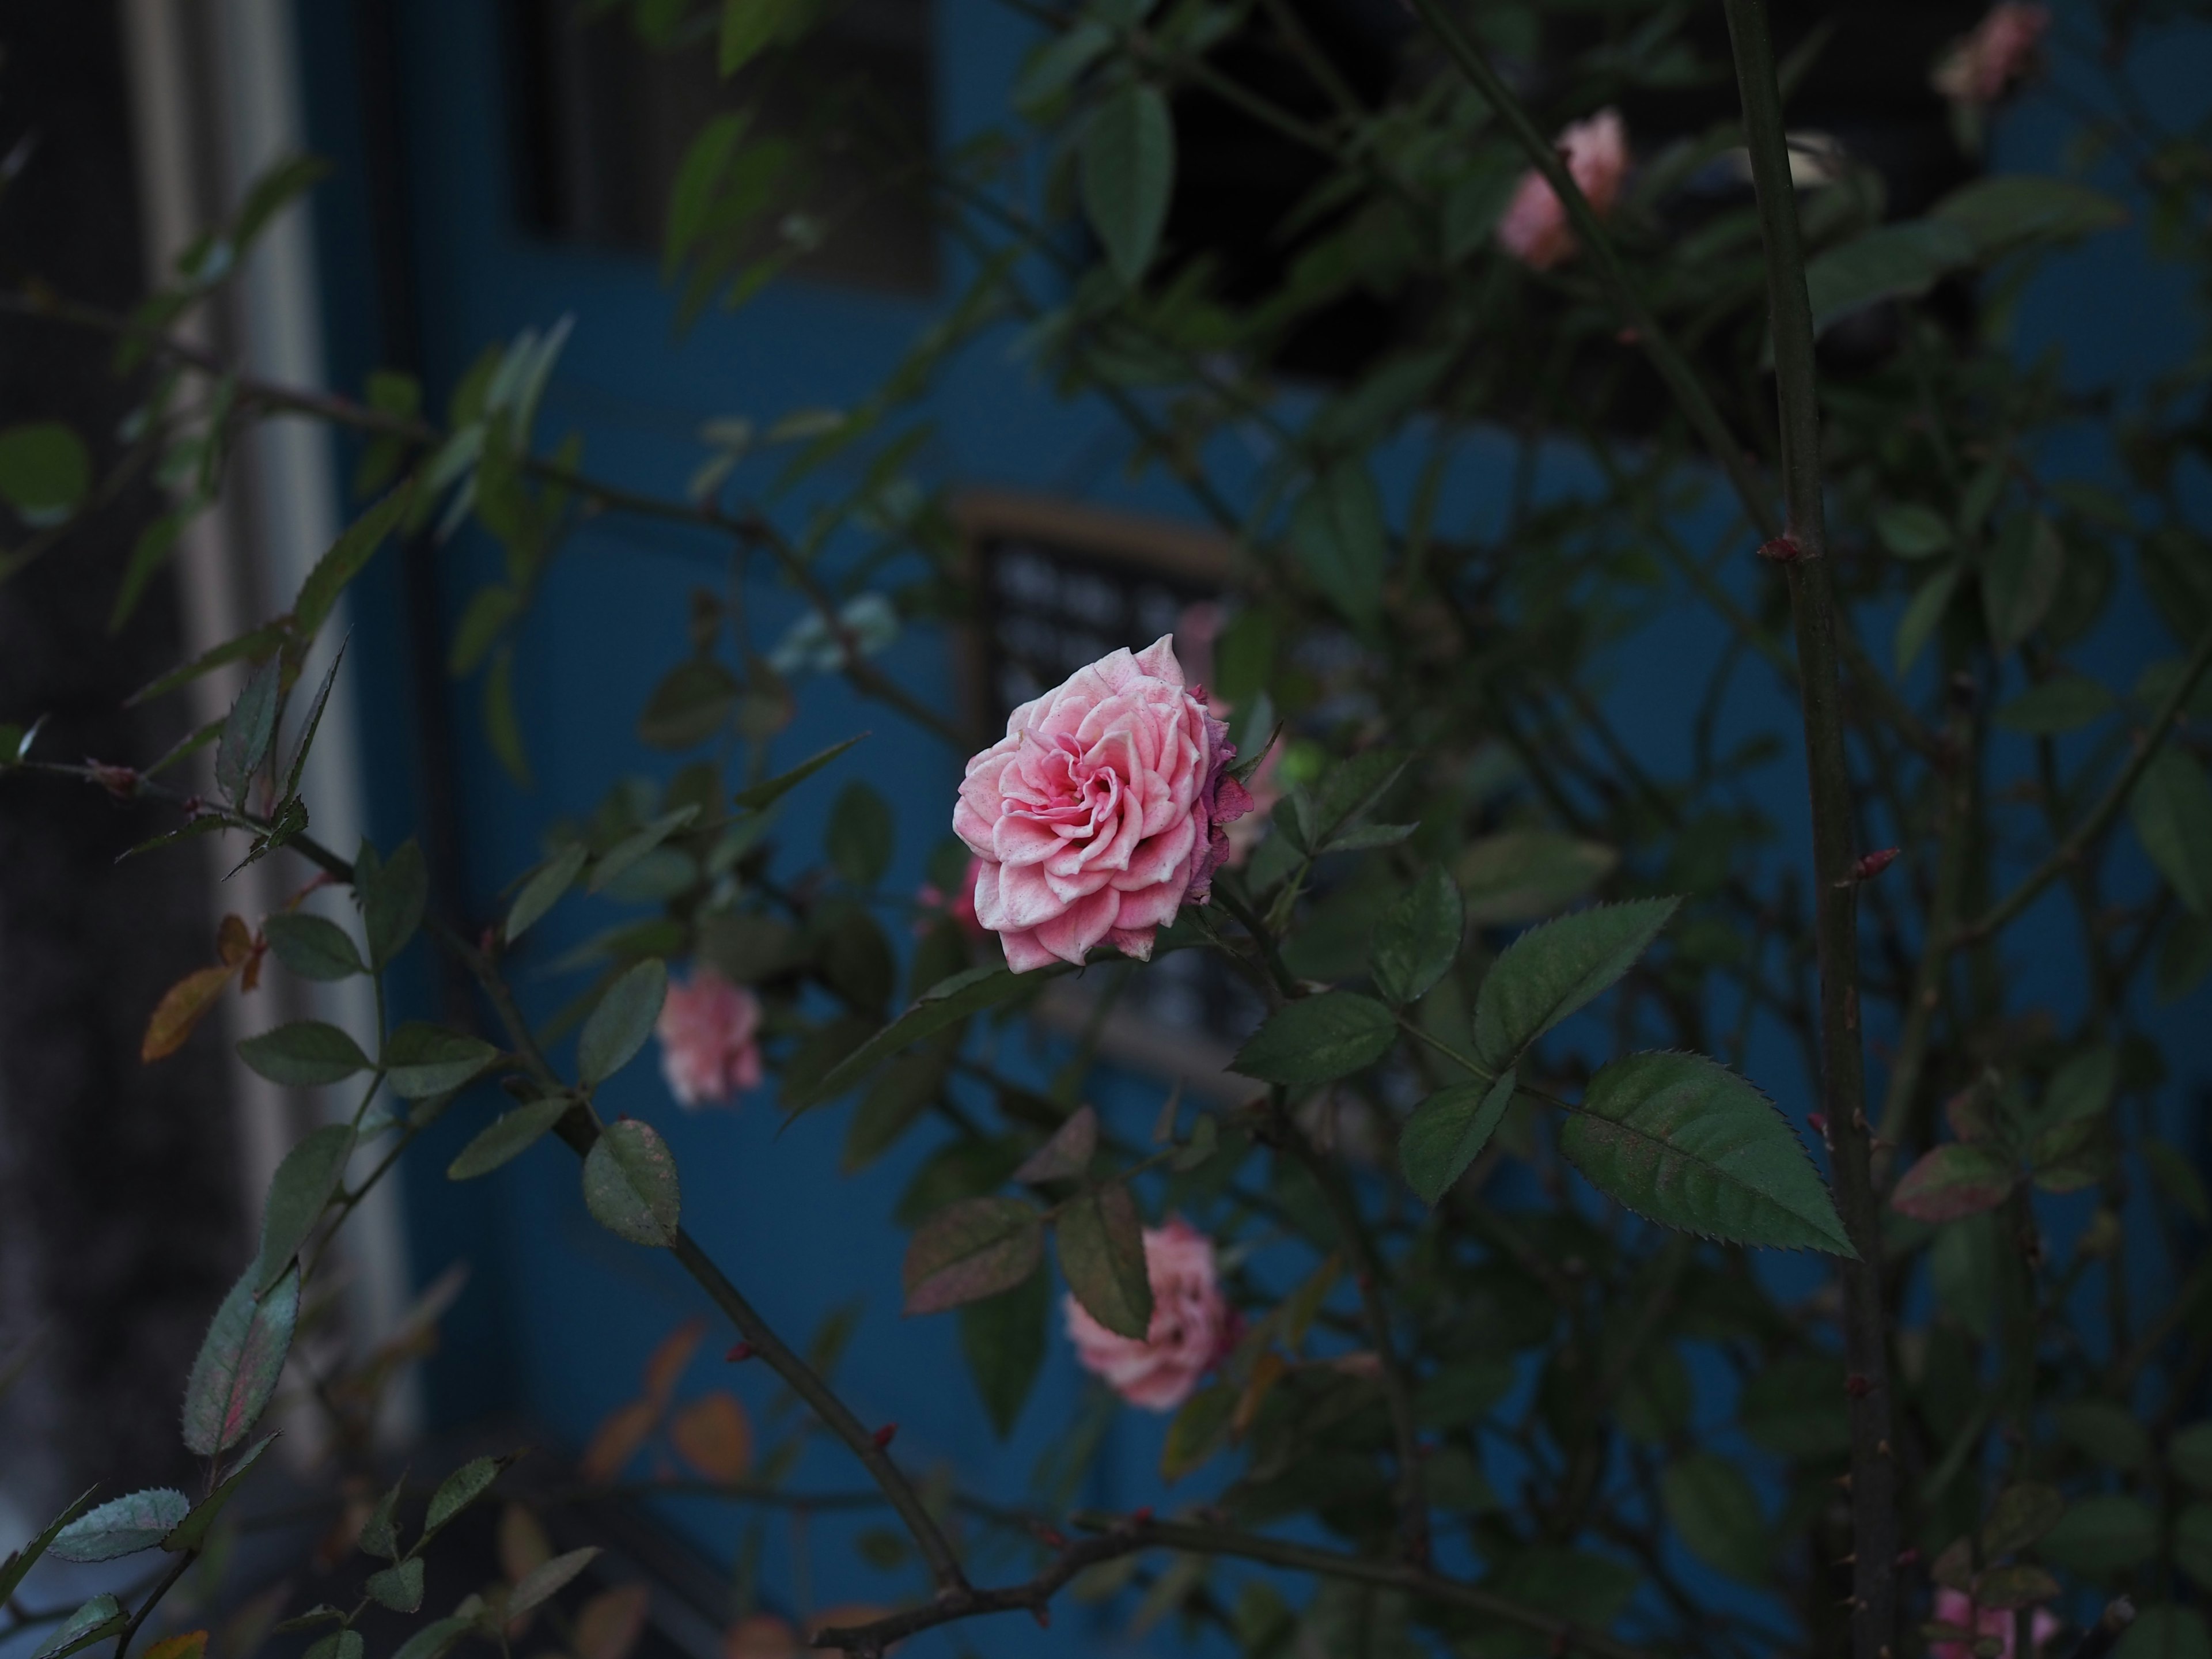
[(709, 1032), (1101, 812), (1265, 790), (961, 907), (1192, 1328), (1952, 1607), (1535, 229), (1981, 65)]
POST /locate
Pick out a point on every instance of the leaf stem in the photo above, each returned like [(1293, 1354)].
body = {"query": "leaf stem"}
[(1835, 899)]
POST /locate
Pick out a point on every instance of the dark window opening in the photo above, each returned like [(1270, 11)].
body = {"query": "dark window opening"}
[(602, 120)]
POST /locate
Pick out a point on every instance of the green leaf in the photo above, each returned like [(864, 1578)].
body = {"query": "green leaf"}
[(1068, 1155), (460, 1489), (691, 705), (1102, 1254), (338, 1644), (379, 1532), (1713, 1508), (45, 471), (1448, 1130), (635, 845), (1340, 538), (1910, 531), (2166, 1631), (2109, 1433), (506, 1137), (238, 1363), (2192, 1543), (762, 795), (747, 26), (422, 1060), (1955, 1181), (2171, 808), (192, 1533), (20, 1562), (248, 729), (1924, 613), (1796, 1408), (491, 608), (1890, 262), (1128, 164), (630, 1186), (290, 793), (1318, 1039), (544, 890), (2021, 1514), (502, 722), (1520, 876), (1004, 1338), (2013, 210), (1681, 1140), (347, 556), (433, 1639), (312, 947), (1550, 971), (399, 1588), (861, 834), (1417, 938), (969, 1250), (894, 1101), (541, 1583), (393, 896), (622, 1021), (945, 1004), (2019, 579), (2064, 703), (298, 1192), (1198, 1429), (95, 1621), (2189, 1452), (304, 1054), (2101, 1534), (122, 1526)]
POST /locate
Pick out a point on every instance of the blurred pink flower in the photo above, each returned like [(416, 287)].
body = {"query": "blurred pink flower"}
[(1981, 65), (709, 1032), (961, 907), (1265, 790), (1193, 1327), (1953, 1607), (1535, 229), (1101, 812)]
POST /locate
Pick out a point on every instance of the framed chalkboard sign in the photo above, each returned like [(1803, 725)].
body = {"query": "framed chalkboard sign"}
[(1057, 585)]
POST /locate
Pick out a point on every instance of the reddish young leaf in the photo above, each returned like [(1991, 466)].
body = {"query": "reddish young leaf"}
[(618, 1439), (609, 1625), (180, 1011), (1958, 1180), (713, 1435), (666, 1368), (234, 941)]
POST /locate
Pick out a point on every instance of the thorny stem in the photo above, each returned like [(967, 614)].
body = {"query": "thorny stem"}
[(749, 529), (1835, 897), (2069, 852), (153, 1600)]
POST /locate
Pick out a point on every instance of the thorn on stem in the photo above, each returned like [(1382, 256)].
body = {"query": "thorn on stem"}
[(740, 1352), (885, 1435), (1908, 1557), (1042, 1614), (1783, 549), (1858, 1386), (1870, 866)]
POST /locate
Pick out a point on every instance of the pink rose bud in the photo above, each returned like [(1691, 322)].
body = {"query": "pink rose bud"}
[(1193, 1327), (1535, 229), (1957, 1607), (1101, 812), (709, 1032), (1982, 66)]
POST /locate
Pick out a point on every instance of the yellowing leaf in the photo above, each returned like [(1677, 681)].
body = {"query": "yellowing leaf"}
[(192, 1644), (713, 1435), (617, 1441), (609, 1625), (523, 1546), (180, 1011)]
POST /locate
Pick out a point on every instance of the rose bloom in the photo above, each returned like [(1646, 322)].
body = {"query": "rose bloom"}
[(1951, 1607), (1101, 812), (1192, 1328), (1981, 65), (1534, 228), (709, 1032)]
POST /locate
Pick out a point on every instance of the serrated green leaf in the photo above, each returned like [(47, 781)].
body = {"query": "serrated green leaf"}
[(506, 1137), (304, 1054), (399, 1588), (1552, 970), (312, 947), (298, 1192), (248, 730), (1683, 1141), (95, 1621), (1129, 163), (1318, 1039), (1417, 938), (344, 560), (622, 1020), (761, 795), (122, 1526), (393, 894), (238, 1363), (1447, 1131), (192, 1533), (1067, 1156), (630, 1186), (1102, 1254), (460, 1489), (422, 1059), (20, 1562), (969, 1251)]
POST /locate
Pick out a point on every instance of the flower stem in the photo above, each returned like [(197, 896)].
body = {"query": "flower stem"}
[(1835, 897)]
